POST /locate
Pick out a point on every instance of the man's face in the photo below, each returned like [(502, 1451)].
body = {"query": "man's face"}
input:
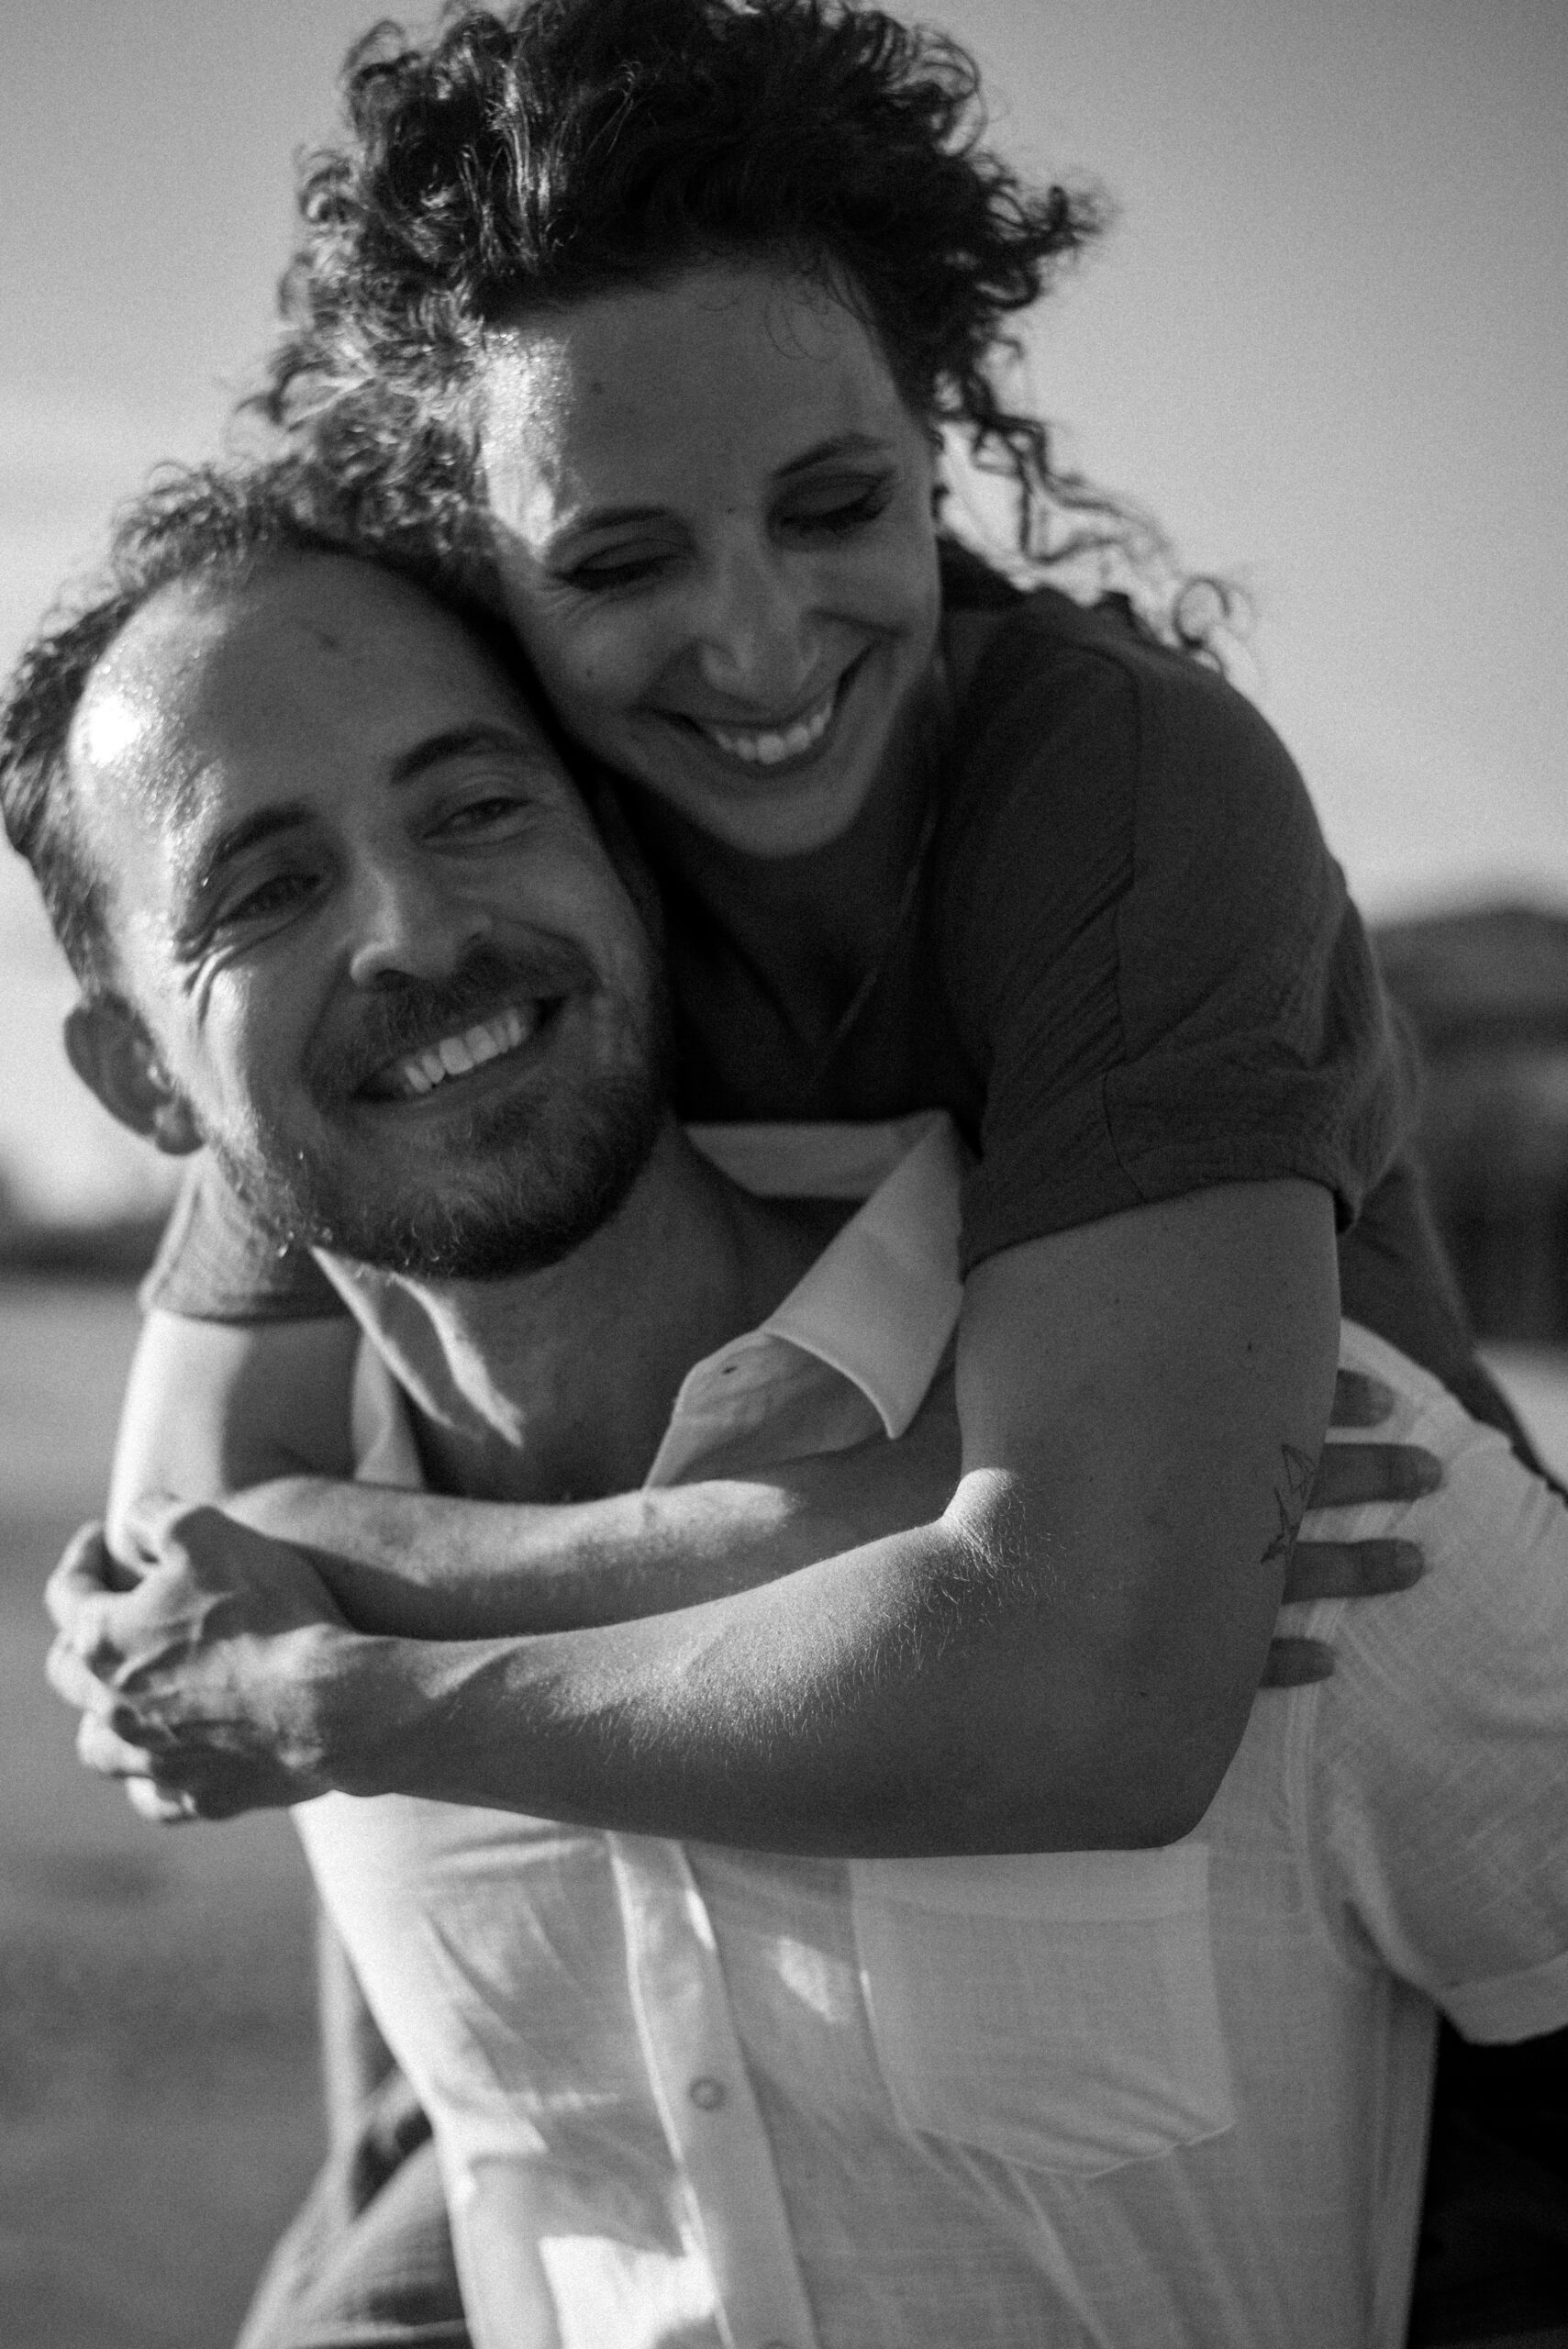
[(367, 922)]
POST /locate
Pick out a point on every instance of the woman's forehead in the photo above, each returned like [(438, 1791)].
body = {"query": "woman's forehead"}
[(644, 392)]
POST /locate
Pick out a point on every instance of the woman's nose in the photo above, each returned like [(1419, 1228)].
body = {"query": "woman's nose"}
[(413, 922), (758, 640)]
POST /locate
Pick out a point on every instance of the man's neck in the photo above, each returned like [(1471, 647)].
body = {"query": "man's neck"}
[(559, 1383)]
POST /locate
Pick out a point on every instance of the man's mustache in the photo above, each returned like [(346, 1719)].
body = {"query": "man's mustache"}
[(404, 1014)]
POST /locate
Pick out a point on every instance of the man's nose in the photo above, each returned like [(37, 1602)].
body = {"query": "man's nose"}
[(757, 637), (413, 923)]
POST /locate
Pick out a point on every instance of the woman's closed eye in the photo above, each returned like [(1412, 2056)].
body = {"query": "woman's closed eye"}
[(826, 510), (829, 513), (619, 567)]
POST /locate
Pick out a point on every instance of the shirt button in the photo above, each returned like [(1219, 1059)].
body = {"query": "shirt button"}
[(708, 2095)]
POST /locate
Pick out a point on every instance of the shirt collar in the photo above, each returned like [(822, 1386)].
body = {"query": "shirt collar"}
[(878, 1307), (880, 1304)]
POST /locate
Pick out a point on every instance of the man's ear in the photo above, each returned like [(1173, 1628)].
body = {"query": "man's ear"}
[(116, 1059)]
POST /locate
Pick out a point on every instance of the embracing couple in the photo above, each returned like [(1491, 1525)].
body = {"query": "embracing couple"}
[(764, 1615)]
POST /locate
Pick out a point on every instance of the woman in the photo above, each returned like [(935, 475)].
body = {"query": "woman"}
[(648, 314)]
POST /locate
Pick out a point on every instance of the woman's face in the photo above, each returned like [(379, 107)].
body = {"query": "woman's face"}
[(713, 517)]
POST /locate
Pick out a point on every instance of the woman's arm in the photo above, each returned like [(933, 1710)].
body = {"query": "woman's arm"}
[(257, 1415), (213, 1407), (1064, 1658)]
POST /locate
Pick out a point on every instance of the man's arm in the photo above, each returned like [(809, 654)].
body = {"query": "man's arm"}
[(1064, 1658)]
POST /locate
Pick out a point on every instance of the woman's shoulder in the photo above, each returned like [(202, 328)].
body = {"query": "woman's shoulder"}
[(1044, 655), (1077, 734)]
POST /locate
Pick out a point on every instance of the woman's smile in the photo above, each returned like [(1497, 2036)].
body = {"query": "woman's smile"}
[(770, 746)]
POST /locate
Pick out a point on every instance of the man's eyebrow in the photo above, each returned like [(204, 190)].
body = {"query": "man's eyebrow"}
[(456, 742)]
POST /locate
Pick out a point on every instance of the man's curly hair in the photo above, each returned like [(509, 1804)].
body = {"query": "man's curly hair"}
[(530, 157)]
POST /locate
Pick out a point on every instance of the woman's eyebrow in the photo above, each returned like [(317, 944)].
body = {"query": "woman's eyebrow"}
[(843, 444), (605, 517), (610, 518)]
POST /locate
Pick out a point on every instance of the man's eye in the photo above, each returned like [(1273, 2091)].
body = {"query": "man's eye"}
[(482, 815), (279, 892)]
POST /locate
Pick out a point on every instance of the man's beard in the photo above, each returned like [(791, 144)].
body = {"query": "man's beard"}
[(528, 1178)]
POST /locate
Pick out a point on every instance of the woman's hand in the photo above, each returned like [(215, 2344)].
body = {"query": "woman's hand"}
[(1348, 1475)]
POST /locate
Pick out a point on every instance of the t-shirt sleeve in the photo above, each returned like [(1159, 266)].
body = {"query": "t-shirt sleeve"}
[(1436, 1783), (1152, 957), (217, 1262)]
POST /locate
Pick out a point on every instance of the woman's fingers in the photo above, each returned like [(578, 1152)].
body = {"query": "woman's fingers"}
[(1352, 1569), (1292, 1663), (1351, 1474), (1359, 1401), (101, 1748), (160, 1805)]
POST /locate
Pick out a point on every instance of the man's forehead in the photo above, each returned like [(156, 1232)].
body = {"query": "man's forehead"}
[(311, 654)]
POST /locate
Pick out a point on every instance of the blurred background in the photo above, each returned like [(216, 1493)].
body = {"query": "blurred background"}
[(1325, 345)]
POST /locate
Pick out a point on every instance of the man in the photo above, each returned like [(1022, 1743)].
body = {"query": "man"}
[(828, 2104)]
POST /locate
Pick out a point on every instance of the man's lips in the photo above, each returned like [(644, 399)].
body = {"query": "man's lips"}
[(413, 1075)]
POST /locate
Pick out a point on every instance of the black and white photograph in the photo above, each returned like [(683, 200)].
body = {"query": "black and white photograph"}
[(783, 1174)]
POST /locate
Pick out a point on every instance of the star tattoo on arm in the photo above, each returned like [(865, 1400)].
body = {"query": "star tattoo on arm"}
[(1290, 1499)]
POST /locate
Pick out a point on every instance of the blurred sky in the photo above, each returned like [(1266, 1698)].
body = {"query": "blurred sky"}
[(1327, 344)]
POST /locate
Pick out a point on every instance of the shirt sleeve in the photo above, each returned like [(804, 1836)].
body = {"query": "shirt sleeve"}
[(1436, 1787), (1153, 957), (217, 1262)]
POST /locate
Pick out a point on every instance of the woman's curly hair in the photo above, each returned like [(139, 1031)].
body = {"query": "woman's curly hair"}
[(531, 158)]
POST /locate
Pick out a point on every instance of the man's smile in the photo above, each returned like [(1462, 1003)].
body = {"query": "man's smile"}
[(414, 1076)]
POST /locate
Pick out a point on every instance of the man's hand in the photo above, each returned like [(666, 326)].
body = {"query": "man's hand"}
[(1348, 1475), (200, 1667)]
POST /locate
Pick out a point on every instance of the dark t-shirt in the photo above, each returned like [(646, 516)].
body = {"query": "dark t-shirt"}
[(1130, 970)]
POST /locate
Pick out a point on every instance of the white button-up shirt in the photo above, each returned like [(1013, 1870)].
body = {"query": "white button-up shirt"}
[(690, 2096)]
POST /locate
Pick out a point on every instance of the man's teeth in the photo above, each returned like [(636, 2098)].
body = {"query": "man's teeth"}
[(457, 1055), (766, 750)]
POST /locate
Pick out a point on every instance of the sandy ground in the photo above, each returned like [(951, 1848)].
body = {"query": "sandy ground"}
[(158, 2112), (158, 2098)]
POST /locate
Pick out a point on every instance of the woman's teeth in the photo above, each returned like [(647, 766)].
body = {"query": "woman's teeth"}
[(459, 1056), (768, 749)]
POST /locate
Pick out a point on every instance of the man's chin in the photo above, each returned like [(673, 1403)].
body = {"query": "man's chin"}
[(516, 1205)]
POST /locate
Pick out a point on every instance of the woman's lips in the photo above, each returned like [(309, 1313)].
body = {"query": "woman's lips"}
[(765, 747), (770, 746)]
